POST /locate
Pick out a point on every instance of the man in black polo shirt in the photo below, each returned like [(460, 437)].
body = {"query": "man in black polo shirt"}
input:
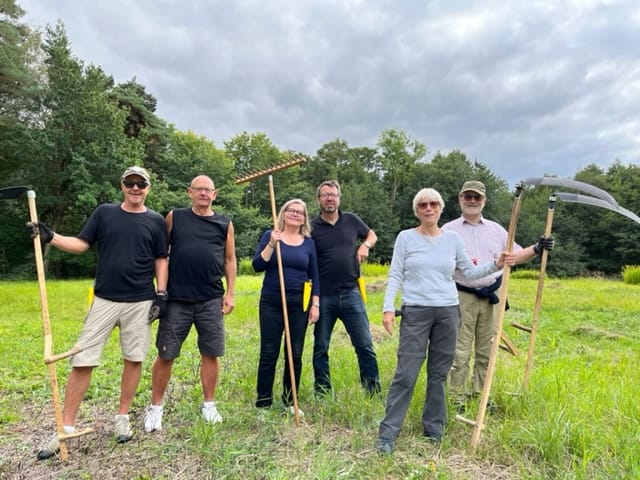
[(342, 243)]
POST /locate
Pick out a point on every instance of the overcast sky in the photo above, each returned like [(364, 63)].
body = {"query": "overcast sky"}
[(526, 87)]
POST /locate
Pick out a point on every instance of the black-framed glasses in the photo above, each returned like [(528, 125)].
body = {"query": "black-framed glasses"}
[(140, 184), (433, 205), (476, 197)]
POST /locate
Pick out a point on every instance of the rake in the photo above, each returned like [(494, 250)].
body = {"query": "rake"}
[(12, 193), (287, 335)]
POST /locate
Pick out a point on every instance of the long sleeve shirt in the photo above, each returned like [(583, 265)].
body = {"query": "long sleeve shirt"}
[(422, 269)]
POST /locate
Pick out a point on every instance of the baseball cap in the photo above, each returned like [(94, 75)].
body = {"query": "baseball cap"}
[(136, 171), (474, 186)]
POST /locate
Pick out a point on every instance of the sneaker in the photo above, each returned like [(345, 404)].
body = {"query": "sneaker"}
[(123, 430), (291, 410), (433, 437), (384, 446), (210, 412), (52, 446), (153, 418)]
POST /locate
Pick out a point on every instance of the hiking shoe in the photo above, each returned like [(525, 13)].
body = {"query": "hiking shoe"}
[(52, 446), (291, 410), (153, 418), (384, 446), (210, 412), (433, 437), (123, 430)]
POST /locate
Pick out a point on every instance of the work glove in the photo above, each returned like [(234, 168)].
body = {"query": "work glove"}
[(545, 243), (159, 306), (40, 228)]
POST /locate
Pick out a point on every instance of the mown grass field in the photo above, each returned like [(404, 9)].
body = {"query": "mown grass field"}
[(579, 418)]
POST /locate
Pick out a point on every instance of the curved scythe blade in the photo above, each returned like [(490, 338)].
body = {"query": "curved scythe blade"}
[(596, 202), (11, 193), (573, 184)]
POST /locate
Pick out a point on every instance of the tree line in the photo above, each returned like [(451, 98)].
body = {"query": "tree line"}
[(68, 130)]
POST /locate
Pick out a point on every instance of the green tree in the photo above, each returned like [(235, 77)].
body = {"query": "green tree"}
[(399, 155), (17, 84), (81, 147)]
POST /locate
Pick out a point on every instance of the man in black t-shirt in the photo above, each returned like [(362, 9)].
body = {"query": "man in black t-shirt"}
[(342, 243), (202, 251), (132, 249)]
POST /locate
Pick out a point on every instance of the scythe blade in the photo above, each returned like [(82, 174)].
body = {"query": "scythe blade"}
[(596, 202), (573, 184)]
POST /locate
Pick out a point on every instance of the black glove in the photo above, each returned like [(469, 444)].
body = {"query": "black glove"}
[(159, 306), (40, 228), (546, 243)]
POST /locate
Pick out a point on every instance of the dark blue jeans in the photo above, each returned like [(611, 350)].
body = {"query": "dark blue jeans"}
[(271, 333), (350, 309)]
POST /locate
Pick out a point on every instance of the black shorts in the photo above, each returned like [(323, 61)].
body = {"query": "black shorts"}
[(174, 329)]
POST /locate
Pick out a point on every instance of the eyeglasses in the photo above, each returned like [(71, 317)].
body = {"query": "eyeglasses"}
[(472, 196), (432, 205), (202, 189), (328, 195), (130, 184), (296, 213)]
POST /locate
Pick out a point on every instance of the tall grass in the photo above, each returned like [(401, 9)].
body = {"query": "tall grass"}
[(578, 419)]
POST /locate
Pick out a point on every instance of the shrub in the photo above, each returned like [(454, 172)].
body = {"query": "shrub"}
[(245, 267), (375, 269), (631, 274), (526, 273)]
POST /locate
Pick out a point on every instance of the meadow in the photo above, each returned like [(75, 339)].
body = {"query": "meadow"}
[(578, 419)]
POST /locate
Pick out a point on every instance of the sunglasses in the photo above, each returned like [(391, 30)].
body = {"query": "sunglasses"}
[(130, 184), (433, 205), (472, 196)]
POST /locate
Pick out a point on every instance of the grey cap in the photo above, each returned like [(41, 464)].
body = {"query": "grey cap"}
[(474, 186), (136, 171)]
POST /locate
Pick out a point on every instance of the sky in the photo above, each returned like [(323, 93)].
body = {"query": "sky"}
[(528, 88)]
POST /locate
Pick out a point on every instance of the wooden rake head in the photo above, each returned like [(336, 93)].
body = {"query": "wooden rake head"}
[(247, 177)]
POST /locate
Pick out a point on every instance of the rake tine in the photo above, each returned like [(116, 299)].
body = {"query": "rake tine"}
[(269, 170)]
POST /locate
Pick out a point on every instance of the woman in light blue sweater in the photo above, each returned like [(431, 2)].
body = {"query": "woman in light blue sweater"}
[(424, 260)]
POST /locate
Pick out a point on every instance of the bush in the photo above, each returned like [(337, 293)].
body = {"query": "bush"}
[(245, 267), (375, 269), (631, 274)]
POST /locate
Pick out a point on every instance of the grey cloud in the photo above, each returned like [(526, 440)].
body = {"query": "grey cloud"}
[(524, 87)]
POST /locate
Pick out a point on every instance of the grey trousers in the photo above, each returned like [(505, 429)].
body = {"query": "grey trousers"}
[(422, 329)]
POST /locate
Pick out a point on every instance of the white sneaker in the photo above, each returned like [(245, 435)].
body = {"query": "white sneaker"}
[(153, 418), (210, 412), (123, 430), (291, 410)]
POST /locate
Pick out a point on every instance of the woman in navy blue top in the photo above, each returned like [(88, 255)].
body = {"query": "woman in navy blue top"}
[(299, 265)]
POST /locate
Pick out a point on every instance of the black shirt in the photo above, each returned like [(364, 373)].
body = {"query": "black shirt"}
[(128, 246), (336, 247), (197, 256)]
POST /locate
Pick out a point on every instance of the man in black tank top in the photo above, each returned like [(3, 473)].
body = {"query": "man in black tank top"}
[(202, 251)]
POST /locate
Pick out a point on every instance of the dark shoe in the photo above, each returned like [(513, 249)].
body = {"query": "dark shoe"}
[(321, 391), (50, 448), (460, 405), (384, 446), (433, 437)]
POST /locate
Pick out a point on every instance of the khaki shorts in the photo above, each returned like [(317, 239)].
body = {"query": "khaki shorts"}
[(132, 318)]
